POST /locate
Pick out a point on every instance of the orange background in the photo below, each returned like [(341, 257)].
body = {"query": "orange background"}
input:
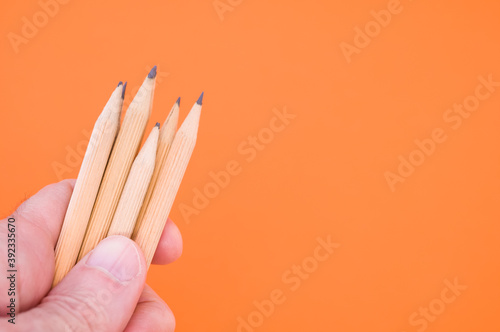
[(321, 176)]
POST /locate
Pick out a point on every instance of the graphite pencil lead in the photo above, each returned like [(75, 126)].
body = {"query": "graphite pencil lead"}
[(120, 83), (157, 125), (152, 73), (123, 90), (178, 102), (199, 101)]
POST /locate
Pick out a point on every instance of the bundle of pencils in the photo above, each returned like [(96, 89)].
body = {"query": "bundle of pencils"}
[(121, 190)]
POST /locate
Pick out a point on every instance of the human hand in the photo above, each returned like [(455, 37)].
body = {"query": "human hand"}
[(105, 291)]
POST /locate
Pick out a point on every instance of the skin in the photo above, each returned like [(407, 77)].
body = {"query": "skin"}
[(90, 297)]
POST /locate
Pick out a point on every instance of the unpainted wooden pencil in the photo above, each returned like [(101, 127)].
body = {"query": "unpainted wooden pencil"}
[(123, 154), (167, 133), (169, 180), (87, 184), (135, 188)]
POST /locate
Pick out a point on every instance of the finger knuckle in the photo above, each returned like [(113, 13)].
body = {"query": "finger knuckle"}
[(80, 312), (167, 316), (164, 318)]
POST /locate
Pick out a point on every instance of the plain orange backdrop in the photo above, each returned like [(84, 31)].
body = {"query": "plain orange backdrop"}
[(324, 175)]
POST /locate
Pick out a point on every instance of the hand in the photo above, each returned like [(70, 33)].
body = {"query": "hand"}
[(105, 291)]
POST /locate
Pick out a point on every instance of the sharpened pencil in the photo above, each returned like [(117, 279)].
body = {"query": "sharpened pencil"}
[(87, 185), (118, 168), (135, 189), (167, 133), (169, 180)]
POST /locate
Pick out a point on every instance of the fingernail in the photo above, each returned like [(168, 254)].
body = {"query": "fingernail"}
[(118, 256)]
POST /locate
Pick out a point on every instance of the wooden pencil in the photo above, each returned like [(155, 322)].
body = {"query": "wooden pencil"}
[(123, 154), (167, 133), (135, 188), (87, 184), (169, 180)]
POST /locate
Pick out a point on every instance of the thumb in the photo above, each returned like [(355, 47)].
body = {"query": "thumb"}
[(99, 294)]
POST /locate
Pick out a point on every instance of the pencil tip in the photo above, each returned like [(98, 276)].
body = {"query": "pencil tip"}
[(123, 90), (178, 102), (152, 73), (199, 101), (157, 125), (120, 83)]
